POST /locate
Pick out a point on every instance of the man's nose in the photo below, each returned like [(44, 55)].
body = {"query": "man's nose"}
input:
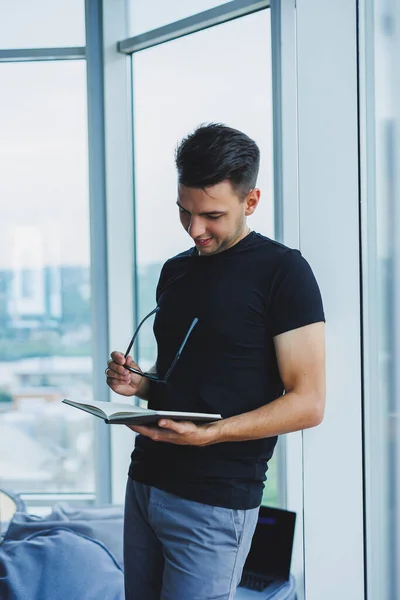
[(196, 227)]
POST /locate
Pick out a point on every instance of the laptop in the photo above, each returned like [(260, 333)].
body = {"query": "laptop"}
[(267, 567)]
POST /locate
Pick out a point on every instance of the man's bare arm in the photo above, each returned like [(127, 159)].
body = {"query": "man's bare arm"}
[(301, 362)]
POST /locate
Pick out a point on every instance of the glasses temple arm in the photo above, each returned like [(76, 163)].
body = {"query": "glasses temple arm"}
[(138, 328), (178, 354)]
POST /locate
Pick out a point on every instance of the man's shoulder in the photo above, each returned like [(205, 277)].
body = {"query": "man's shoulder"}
[(263, 242), (179, 259), (268, 248), (185, 254), (276, 259)]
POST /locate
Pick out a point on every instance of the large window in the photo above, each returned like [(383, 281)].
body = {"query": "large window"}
[(45, 331), (205, 77)]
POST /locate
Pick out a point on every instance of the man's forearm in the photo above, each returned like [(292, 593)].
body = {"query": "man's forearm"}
[(291, 412)]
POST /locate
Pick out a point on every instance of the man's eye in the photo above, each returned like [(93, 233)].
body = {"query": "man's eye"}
[(214, 216)]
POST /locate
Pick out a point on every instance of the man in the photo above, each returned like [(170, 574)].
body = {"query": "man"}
[(256, 356)]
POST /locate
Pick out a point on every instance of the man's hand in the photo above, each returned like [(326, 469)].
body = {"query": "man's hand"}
[(182, 433), (122, 381)]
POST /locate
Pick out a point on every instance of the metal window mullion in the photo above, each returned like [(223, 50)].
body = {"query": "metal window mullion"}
[(287, 230), (98, 237), (119, 215), (276, 46), (193, 24), (134, 213), (40, 54), (277, 117)]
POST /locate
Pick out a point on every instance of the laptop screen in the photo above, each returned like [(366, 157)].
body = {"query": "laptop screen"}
[(271, 549)]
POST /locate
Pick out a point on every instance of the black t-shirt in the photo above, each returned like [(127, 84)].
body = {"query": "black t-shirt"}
[(243, 297)]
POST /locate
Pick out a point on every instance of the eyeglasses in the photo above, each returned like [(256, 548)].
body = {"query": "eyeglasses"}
[(151, 376)]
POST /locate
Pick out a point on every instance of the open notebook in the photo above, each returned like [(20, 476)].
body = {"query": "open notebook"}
[(128, 414)]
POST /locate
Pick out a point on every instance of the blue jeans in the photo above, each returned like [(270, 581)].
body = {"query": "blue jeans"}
[(176, 549)]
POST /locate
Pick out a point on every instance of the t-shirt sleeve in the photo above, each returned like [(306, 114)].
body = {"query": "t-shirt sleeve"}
[(295, 299)]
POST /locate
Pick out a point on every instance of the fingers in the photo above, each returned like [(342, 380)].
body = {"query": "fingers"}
[(117, 361), (181, 433), (172, 425), (116, 371), (131, 363), (118, 358)]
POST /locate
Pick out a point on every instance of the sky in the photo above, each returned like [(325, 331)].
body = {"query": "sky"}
[(221, 74), (43, 159), (42, 23)]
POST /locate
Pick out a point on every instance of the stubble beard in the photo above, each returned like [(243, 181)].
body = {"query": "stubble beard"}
[(241, 231)]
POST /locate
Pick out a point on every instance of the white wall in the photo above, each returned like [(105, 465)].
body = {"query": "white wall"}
[(330, 501)]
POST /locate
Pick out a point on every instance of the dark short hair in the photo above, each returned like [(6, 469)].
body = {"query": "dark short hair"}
[(214, 153)]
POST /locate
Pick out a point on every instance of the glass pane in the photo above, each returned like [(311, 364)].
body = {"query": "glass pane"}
[(44, 278), (144, 16), (42, 24), (177, 86), (381, 266), (271, 496)]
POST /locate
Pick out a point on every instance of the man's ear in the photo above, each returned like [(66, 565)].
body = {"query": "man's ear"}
[(252, 199)]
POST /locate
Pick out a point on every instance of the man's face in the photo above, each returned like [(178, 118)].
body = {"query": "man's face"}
[(215, 218)]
